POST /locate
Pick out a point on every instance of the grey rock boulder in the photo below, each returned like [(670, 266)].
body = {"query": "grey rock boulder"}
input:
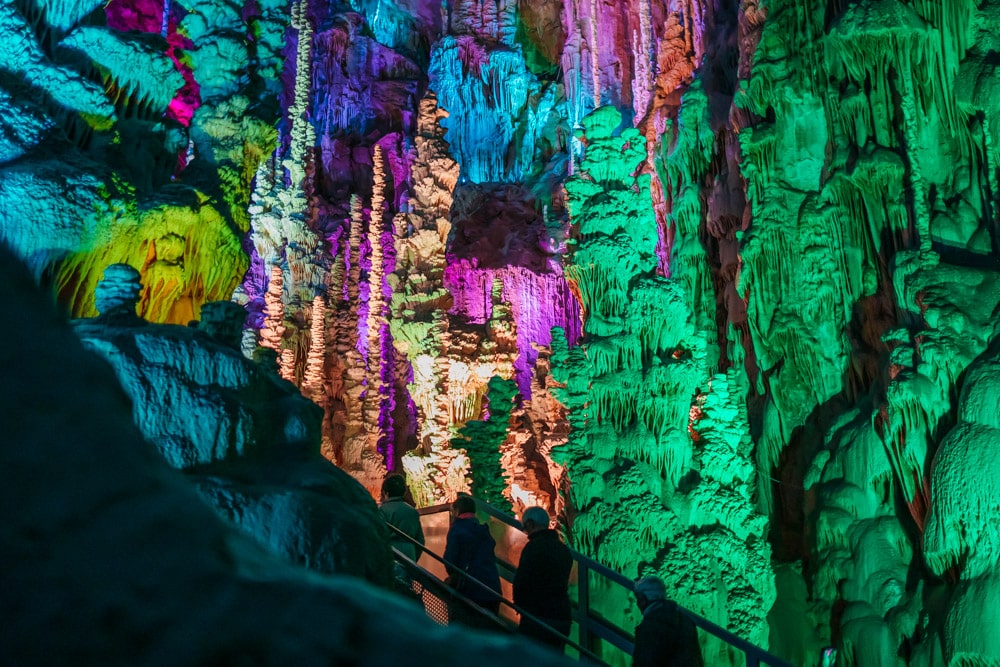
[(247, 438)]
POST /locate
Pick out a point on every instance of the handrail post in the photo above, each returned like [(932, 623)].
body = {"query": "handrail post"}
[(595, 628), (583, 605)]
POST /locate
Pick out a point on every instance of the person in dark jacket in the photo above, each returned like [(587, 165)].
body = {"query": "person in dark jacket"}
[(541, 585), (399, 513), (470, 551), (666, 636)]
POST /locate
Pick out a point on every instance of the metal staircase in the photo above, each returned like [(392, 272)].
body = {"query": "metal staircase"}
[(594, 639)]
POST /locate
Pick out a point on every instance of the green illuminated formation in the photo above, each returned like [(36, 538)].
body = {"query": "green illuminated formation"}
[(659, 458), (870, 177), (682, 162), (482, 440), (239, 142), (962, 534)]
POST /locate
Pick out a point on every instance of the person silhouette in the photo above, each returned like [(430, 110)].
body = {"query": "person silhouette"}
[(401, 514), (469, 552), (541, 584), (666, 636)]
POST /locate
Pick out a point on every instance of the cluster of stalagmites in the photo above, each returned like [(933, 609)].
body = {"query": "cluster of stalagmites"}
[(644, 406), (114, 547), (247, 439)]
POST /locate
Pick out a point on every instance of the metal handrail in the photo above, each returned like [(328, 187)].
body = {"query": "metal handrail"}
[(590, 626), (451, 567), (412, 564)]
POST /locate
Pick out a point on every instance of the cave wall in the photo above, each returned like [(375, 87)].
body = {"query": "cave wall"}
[(739, 260)]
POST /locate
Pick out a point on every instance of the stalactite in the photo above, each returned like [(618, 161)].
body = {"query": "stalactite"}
[(921, 213), (642, 57), (302, 131), (498, 109), (595, 57), (165, 21)]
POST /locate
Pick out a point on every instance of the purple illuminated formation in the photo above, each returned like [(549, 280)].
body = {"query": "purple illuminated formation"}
[(149, 16), (538, 302)]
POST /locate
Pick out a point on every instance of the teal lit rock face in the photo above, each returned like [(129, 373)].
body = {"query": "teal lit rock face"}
[(501, 117), (101, 162)]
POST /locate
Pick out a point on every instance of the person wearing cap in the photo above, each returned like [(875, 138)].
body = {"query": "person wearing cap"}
[(541, 584), (666, 636)]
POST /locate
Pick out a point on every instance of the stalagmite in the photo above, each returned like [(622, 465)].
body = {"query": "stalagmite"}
[(118, 291), (272, 332), (312, 378), (353, 250), (376, 296)]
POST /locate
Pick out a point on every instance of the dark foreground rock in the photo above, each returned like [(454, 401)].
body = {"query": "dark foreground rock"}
[(248, 439), (109, 557)]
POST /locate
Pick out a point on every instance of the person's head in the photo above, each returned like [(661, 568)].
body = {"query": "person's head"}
[(534, 519), (649, 589), (463, 505), (394, 486)]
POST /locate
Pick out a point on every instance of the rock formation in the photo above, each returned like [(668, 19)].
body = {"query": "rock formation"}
[(248, 439), (116, 550), (738, 259)]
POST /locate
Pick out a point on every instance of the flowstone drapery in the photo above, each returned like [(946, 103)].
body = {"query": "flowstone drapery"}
[(873, 244), (653, 451)]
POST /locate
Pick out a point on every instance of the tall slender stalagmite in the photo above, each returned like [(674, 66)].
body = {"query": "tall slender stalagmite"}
[(312, 379), (274, 326)]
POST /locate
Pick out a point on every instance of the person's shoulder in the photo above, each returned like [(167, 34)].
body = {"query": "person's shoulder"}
[(484, 532), (398, 506), (670, 613), (463, 526), (557, 543), (407, 507)]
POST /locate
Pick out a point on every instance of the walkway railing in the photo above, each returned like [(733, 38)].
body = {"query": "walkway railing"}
[(447, 596), (592, 627)]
